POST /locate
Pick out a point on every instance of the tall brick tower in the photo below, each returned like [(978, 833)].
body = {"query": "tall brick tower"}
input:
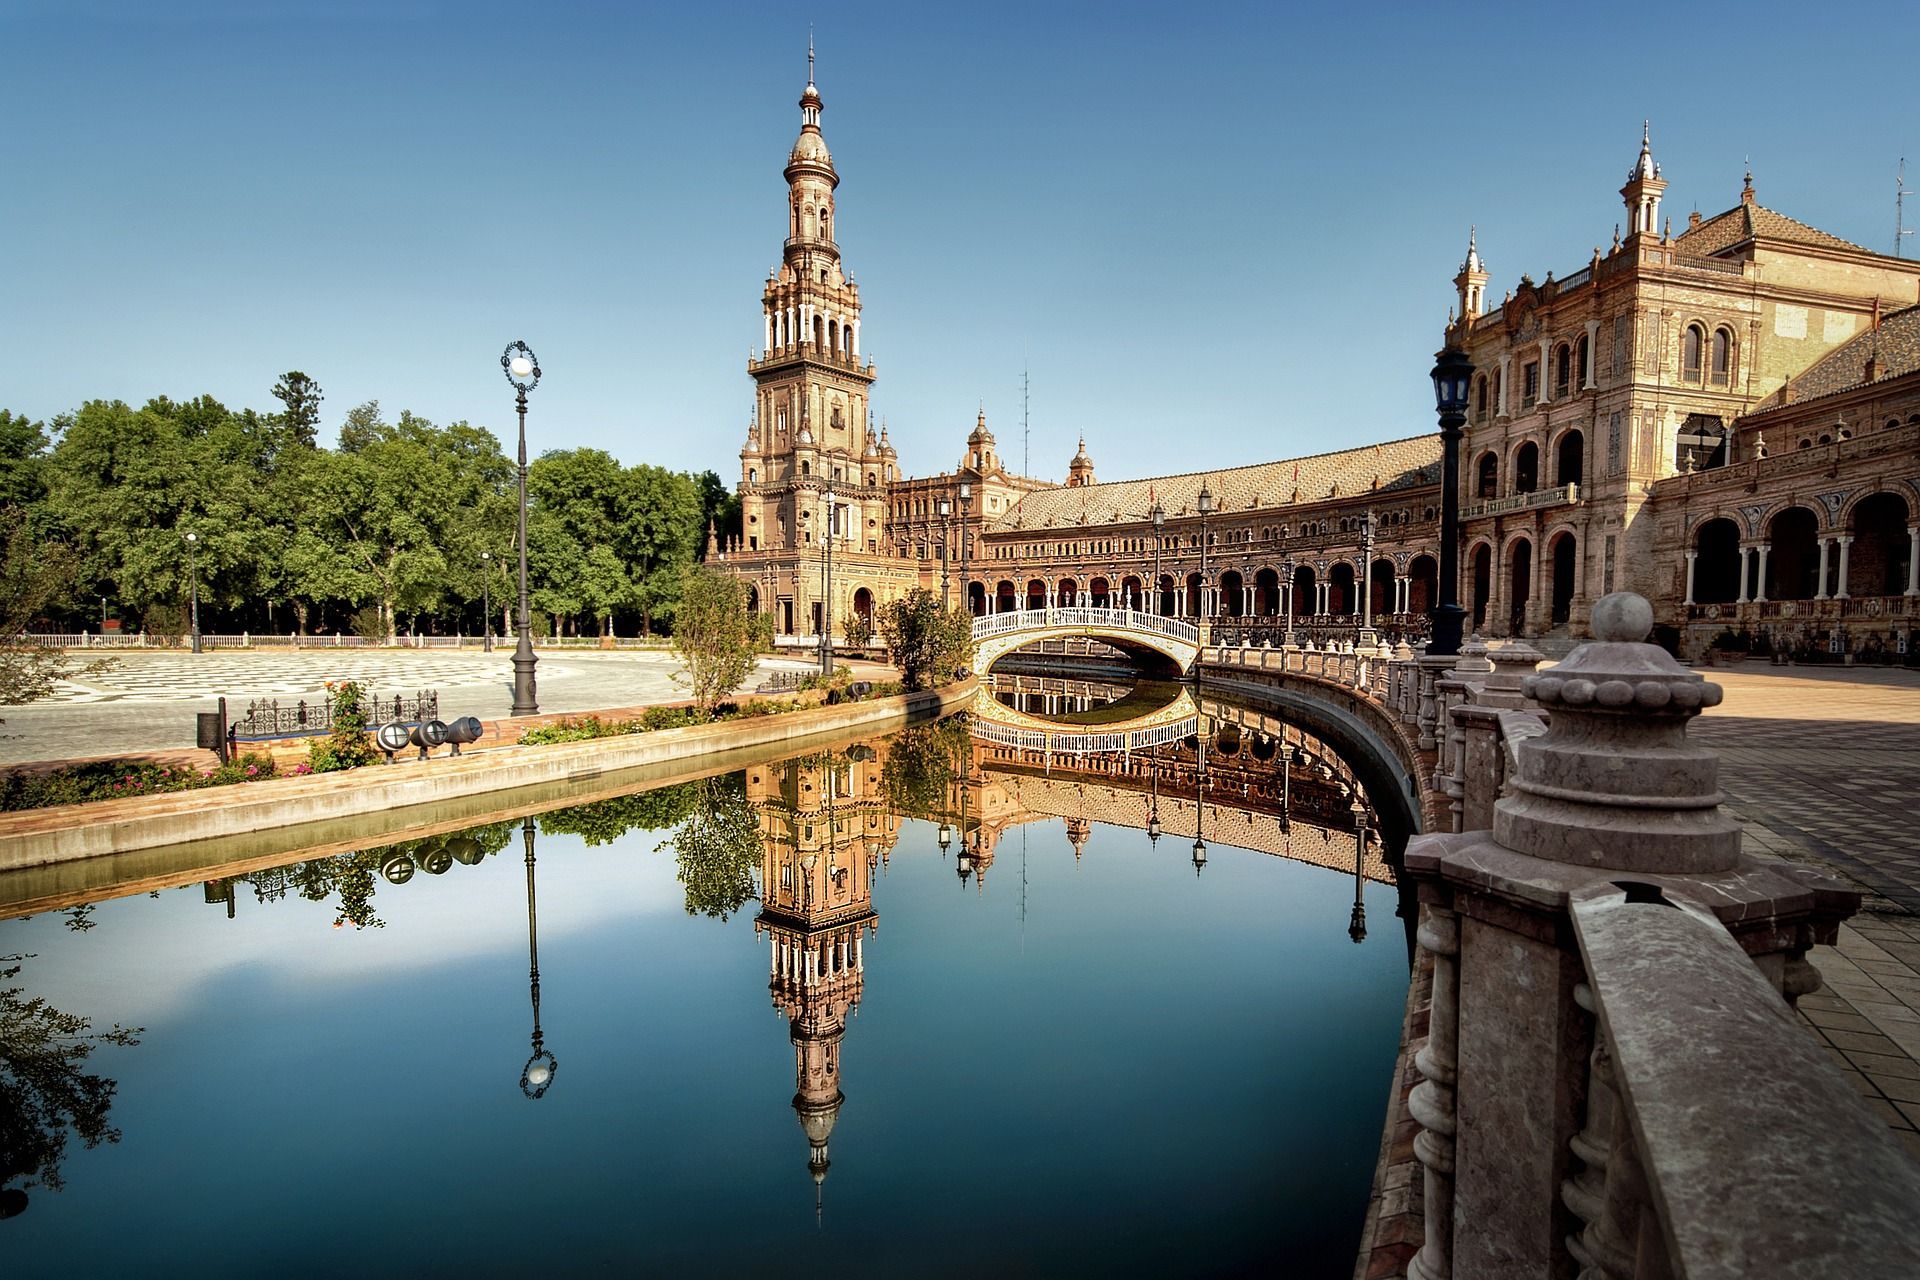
[(810, 434)]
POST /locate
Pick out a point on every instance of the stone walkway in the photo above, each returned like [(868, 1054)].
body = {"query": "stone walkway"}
[(146, 701), (1820, 765)]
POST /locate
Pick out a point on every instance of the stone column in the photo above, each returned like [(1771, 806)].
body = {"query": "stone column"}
[(1432, 1100), (1913, 560), (1546, 373), (1593, 356), (1691, 557), (1505, 408), (856, 339), (1742, 597), (1846, 546), (768, 318), (1760, 573), (1821, 592)]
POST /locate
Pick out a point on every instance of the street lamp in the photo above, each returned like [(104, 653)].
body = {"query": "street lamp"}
[(1205, 503), (486, 602), (193, 585), (1364, 638), (1158, 514), (538, 1073), (1452, 372), (1286, 788), (826, 589), (966, 587), (1357, 923), (946, 509), (523, 371)]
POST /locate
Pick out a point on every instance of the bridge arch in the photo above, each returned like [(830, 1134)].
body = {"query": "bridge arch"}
[(1156, 645)]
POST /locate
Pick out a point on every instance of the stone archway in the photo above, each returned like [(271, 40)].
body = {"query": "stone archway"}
[(1565, 561), (1879, 560), (1793, 555), (1716, 562), (1519, 585), (1482, 584)]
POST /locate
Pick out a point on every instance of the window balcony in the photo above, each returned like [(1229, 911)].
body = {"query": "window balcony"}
[(1558, 496)]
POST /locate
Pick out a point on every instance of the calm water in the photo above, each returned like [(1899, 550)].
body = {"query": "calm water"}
[(1079, 1057)]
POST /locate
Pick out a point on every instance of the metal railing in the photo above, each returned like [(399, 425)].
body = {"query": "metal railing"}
[(1083, 742)]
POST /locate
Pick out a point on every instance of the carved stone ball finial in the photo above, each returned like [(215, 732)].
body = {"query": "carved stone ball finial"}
[(1614, 782), (1622, 617)]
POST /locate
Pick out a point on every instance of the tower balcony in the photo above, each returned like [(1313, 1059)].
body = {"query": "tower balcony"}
[(812, 354)]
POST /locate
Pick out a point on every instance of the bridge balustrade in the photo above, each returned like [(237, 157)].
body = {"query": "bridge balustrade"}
[(996, 624)]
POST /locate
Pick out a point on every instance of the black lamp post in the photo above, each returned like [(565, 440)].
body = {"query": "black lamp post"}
[(523, 371), (1205, 503), (966, 587), (1158, 514), (946, 510), (826, 589), (1286, 788), (1452, 373), (1357, 922), (1365, 638), (538, 1073), (193, 586), (486, 602)]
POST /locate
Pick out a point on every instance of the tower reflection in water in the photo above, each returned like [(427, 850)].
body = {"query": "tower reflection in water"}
[(828, 824), (824, 831)]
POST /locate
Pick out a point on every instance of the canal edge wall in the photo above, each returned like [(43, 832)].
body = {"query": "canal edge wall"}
[(69, 833)]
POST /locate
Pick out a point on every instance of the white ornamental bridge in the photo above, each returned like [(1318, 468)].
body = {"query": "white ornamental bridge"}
[(1142, 636)]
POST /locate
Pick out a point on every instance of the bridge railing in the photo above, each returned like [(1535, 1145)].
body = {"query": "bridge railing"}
[(997, 624), (1087, 742)]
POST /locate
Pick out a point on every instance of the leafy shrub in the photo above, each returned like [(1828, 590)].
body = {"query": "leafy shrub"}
[(370, 625), (760, 632), (112, 780), (349, 745)]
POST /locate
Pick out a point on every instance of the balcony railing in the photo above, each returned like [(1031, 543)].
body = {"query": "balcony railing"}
[(1558, 496)]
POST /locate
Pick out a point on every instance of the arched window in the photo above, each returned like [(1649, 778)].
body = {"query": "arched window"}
[(1722, 357), (753, 475), (1488, 481), (1526, 468), (1480, 398), (1690, 349), (1562, 370), (806, 468), (1580, 357)]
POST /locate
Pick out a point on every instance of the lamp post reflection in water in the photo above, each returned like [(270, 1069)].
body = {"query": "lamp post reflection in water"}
[(1200, 806), (538, 1073), (1357, 923)]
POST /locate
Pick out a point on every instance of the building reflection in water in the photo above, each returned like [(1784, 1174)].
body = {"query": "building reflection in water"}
[(824, 832), (828, 825)]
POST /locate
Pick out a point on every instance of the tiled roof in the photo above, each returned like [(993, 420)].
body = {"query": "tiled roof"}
[(1746, 222), (1394, 464), (1894, 346)]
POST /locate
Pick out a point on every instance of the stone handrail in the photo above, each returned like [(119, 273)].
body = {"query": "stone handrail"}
[(1612, 980), (1558, 495)]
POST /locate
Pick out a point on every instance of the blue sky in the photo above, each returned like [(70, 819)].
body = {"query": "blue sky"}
[(1214, 233)]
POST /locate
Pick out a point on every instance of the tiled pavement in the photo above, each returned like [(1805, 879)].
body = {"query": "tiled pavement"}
[(1821, 764)]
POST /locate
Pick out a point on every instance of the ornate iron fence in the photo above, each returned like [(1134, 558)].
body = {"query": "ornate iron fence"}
[(268, 718)]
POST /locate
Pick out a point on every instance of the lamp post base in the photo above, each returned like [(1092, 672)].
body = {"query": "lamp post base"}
[(525, 699), (1449, 623)]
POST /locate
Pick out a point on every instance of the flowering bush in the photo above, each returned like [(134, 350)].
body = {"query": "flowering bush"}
[(349, 745)]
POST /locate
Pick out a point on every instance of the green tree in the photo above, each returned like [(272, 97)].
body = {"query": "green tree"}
[(711, 634), (33, 575), (717, 847), (573, 538), (719, 509), (23, 460), (301, 395), (46, 1095), (928, 643), (661, 532)]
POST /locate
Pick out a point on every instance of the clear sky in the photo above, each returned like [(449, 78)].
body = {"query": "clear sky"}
[(1214, 233)]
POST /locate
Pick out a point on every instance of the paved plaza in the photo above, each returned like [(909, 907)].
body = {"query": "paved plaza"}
[(147, 701), (1819, 764)]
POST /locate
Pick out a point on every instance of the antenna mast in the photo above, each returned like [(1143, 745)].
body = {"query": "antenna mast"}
[(1900, 228), (1026, 467)]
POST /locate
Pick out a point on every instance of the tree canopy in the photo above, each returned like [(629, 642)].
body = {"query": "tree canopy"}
[(293, 535)]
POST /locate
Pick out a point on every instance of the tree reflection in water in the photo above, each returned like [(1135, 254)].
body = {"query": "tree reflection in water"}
[(45, 1095)]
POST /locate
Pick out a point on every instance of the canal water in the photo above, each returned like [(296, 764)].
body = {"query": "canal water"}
[(923, 1005)]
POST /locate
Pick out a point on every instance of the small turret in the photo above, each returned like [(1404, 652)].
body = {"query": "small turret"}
[(1080, 470), (1643, 189)]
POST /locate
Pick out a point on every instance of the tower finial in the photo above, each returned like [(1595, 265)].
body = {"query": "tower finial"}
[(809, 53)]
